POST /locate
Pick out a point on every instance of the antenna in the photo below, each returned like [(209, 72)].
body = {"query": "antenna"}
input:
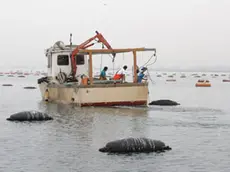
[(70, 39)]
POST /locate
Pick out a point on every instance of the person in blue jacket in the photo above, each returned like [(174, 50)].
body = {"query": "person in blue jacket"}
[(141, 75), (103, 73)]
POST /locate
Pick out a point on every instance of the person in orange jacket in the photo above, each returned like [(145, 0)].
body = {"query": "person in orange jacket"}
[(120, 74)]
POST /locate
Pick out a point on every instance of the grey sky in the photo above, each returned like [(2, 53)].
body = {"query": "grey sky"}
[(185, 32)]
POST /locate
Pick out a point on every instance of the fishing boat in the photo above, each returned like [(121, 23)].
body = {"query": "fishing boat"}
[(70, 76), (203, 83)]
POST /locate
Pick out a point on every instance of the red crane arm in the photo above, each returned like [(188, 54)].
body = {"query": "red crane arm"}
[(85, 45)]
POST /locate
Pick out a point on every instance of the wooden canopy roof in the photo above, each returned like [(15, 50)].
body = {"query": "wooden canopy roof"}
[(108, 51)]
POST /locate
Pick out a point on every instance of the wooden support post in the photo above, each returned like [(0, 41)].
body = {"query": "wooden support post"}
[(90, 68), (135, 66)]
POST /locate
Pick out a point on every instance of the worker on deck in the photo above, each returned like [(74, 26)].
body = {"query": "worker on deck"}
[(120, 74), (138, 69), (103, 73), (141, 76)]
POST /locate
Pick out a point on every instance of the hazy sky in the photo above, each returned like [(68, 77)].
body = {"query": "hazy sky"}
[(185, 32)]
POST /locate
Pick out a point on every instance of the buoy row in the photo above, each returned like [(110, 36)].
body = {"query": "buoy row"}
[(193, 74), (200, 82), (19, 76), (10, 85)]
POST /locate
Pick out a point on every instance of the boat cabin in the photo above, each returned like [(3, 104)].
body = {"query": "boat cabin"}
[(59, 60)]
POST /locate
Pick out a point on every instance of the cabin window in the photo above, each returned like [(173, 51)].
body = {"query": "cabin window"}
[(80, 59), (63, 60)]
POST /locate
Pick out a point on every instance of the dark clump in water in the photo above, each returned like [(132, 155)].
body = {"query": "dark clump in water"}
[(29, 87), (10, 75), (7, 85), (135, 145), (29, 116), (164, 103)]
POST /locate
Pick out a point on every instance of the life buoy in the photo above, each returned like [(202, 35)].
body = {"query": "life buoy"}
[(61, 77)]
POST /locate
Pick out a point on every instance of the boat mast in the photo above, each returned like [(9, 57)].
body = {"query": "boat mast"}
[(70, 41)]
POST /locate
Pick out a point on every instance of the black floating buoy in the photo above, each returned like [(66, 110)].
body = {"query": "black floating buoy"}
[(164, 103), (7, 85), (129, 145), (29, 116), (10, 75), (29, 87)]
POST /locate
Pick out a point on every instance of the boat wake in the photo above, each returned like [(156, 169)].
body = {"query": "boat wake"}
[(184, 109), (173, 109)]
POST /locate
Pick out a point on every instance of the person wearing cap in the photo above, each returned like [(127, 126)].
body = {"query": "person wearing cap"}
[(120, 74), (141, 75), (103, 73)]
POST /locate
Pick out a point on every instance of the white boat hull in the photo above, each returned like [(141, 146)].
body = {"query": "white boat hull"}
[(128, 94)]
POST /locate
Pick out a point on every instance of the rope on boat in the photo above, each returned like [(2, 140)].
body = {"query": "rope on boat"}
[(153, 62), (101, 58), (150, 77), (146, 64)]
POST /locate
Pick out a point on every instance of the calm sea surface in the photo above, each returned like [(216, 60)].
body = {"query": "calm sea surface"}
[(197, 130)]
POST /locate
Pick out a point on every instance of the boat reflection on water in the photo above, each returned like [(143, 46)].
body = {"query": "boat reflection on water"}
[(97, 124)]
